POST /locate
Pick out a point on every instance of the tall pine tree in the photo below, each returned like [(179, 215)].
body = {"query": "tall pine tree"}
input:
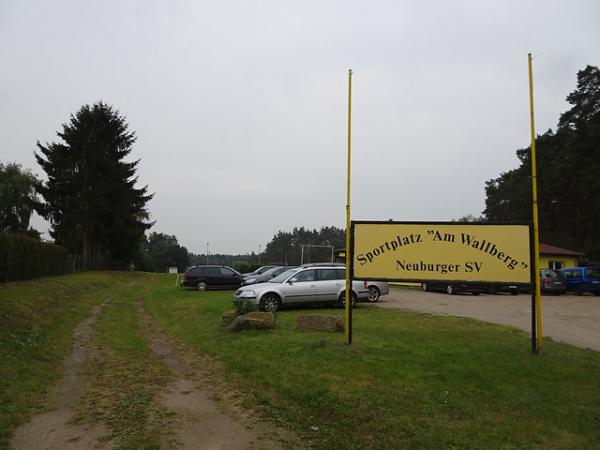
[(91, 197)]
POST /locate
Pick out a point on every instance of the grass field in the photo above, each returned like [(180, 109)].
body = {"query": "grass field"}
[(409, 381)]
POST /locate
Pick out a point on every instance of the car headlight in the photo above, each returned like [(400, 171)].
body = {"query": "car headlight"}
[(250, 280), (247, 294)]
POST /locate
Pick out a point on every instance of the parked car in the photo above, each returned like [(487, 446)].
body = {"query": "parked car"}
[(265, 276), (259, 271), (455, 288), (512, 289), (217, 277), (376, 288), (552, 282), (303, 286), (582, 279)]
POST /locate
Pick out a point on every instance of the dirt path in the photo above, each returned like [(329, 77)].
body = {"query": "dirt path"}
[(198, 421), (194, 419), (567, 318), (55, 430)]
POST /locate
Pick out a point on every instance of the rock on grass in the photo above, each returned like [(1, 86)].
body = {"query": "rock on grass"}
[(253, 321), (314, 322)]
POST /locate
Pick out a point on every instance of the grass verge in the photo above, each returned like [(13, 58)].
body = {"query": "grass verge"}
[(37, 319), (409, 381)]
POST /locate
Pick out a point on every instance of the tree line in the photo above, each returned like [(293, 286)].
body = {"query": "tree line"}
[(285, 248), (568, 176)]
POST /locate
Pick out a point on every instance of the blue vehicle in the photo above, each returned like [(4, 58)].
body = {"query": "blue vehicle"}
[(582, 279)]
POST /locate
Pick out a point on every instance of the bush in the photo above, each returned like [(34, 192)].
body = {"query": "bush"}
[(23, 258)]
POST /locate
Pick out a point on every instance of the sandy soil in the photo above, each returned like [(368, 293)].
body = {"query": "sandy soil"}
[(197, 420), (56, 430), (567, 318)]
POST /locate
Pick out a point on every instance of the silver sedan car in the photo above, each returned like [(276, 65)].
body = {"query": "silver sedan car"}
[(302, 286), (376, 290)]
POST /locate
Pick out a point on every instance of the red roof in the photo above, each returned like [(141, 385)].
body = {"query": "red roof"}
[(552, 250)]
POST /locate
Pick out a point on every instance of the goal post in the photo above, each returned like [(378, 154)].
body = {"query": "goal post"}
[(323, 252)]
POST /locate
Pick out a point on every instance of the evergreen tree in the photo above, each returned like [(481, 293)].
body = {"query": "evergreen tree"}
[(568, 162), (91, 197)]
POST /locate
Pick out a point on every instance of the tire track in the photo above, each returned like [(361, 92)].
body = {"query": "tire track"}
[(198, 421), (56, 429)]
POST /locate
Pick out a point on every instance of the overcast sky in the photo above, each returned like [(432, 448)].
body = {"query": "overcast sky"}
[(240, 106)]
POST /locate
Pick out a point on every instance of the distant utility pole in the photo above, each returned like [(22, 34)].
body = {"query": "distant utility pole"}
[(207, 258)]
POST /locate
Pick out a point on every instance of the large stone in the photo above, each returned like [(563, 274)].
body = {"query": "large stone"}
[(253, 321), (314, 322), (229, 316)]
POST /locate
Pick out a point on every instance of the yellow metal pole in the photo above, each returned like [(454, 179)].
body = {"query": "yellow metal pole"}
[(348, 291), (536, 234)]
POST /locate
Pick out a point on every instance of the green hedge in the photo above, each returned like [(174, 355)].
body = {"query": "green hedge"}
[(23, 258)]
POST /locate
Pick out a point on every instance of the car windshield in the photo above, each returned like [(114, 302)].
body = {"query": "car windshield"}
[(271, 271), (283, 276), (282, 269)]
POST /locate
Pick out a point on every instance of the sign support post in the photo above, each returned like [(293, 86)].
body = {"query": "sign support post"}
[(348, 290), (536, 305)]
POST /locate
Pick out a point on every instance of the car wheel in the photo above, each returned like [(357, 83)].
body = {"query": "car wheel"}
[(475, 292), (374, 294), (270, 303), (450, 290), (202, 285), (424, 287), (342, 300)]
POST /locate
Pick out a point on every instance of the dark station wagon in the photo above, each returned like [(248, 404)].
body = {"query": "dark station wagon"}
[(213, 277)]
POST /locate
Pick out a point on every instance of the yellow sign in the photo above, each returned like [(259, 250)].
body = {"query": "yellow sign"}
[(441, 251)]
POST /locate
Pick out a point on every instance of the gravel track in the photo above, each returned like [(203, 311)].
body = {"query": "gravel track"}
[(574, 319)]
